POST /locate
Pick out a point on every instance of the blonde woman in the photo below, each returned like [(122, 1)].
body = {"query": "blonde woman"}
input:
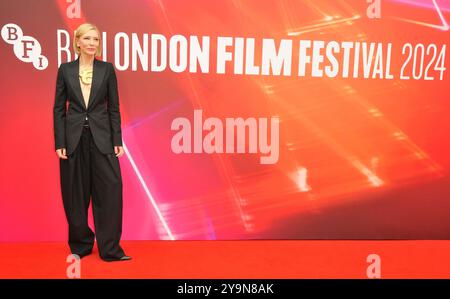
[(88, 142)]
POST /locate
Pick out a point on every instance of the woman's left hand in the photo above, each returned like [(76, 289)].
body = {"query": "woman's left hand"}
[(118, 150)]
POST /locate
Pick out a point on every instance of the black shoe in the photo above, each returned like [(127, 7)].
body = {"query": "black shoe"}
[(118, 259), (125, 258), (82, 255)]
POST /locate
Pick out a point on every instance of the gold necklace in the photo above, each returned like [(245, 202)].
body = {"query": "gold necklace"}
[(86, 75)]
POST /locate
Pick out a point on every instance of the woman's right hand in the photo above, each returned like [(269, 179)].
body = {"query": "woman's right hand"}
[(61, 153)]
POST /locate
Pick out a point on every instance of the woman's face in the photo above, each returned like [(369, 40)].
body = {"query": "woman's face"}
[(89, 43)]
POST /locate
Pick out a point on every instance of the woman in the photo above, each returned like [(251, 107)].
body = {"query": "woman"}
[(88, 142)]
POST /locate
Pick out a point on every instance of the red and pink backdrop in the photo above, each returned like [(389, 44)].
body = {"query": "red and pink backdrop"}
[(359, 158)]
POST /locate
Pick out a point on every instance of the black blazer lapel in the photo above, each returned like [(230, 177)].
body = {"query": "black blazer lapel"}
[(75, 81), (97, 80)]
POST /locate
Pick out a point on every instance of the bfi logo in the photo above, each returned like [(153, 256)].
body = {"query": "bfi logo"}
[(26, 48)]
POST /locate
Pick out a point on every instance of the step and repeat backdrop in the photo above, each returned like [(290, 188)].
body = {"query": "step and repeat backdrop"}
[(242, 119)]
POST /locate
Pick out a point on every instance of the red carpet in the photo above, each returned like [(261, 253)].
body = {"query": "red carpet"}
[(235, 259)]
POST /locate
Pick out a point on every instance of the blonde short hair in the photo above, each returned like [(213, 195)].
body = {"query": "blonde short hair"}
[(81, 30)]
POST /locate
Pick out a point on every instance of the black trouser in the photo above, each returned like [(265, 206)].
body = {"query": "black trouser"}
[(86, 173)]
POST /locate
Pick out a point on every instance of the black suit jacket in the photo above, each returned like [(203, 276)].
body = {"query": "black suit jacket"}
[(102, 112)]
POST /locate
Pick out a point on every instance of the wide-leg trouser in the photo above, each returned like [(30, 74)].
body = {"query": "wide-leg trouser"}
[(88, 172)]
